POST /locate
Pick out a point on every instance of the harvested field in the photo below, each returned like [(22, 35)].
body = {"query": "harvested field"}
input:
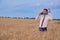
[(27, 29)]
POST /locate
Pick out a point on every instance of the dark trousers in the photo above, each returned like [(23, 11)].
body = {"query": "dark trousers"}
[(42, 29)]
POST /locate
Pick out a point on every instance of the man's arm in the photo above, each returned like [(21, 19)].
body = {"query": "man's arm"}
[(50, 14), (37, 18)]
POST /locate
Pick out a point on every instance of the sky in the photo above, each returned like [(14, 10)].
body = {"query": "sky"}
[(28, 8)]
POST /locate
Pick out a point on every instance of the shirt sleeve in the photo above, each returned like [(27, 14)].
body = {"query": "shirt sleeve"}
[(37, 17), (50, 16)]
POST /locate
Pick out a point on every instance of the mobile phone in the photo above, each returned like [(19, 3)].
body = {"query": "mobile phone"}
[(41, 13)]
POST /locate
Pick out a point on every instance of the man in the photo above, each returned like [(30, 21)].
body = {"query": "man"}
[(44, 17)]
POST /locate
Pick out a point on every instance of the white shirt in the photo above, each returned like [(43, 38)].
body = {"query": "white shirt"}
[(46, 20)]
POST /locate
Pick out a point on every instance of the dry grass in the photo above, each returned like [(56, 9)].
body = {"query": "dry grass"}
[(27, 29)]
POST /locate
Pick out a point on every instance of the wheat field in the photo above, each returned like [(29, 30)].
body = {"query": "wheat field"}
[(27, 29)]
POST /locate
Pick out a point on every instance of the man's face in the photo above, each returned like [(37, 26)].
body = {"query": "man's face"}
[(45, 12)]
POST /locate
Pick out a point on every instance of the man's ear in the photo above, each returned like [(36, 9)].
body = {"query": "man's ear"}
[(47, 12)]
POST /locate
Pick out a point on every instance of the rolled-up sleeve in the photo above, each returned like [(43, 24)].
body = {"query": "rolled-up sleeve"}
[(37, 17)]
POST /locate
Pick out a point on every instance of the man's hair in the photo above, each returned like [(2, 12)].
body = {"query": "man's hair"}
[(42, 12), (46, 9)]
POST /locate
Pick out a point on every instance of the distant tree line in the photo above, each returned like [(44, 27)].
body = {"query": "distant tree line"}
[(22, 18), (57, 19), (17, 17)]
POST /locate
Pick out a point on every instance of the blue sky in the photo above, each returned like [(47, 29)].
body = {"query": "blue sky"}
[(28, 8)]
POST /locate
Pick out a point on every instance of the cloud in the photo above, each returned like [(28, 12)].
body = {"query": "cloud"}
[(55, 3), (15, 4), (38, 4)]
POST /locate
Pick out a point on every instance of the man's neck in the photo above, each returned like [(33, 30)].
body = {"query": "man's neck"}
[(44, 15)]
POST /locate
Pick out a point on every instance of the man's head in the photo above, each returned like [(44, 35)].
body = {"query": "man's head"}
[(45, 11)]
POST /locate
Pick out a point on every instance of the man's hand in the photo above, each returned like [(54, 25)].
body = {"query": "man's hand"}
[(49, 10), (40, 13)]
